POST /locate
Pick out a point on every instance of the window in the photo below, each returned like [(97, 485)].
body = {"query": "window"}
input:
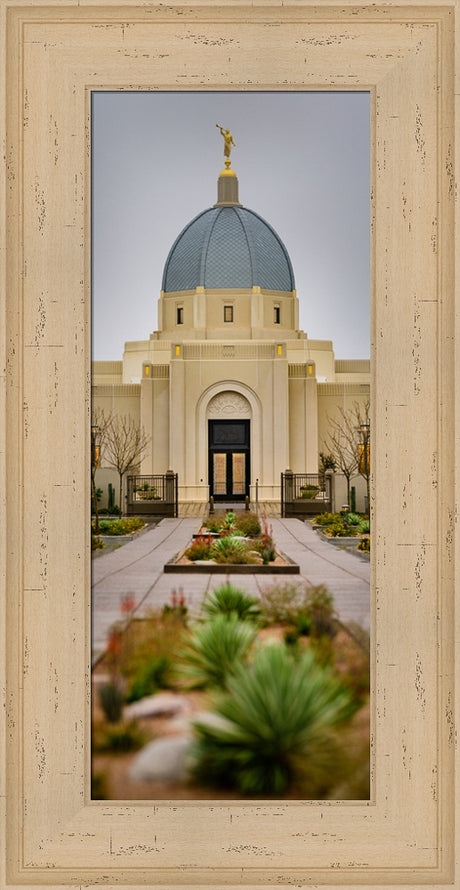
[(180, 315), (228, 313), (276, 314)]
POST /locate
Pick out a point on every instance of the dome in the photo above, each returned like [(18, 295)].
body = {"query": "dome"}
[(228, 246)]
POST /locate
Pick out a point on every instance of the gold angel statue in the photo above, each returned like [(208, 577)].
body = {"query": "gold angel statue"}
[(228, 142)]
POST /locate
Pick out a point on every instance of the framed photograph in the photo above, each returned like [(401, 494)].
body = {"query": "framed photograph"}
[(55, 56)]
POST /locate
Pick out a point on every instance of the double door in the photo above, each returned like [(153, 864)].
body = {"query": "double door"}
[(229, 459)]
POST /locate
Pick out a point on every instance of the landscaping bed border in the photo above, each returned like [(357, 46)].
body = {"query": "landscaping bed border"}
[(226, 568)]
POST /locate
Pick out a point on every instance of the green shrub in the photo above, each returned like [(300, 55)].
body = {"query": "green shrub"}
[(272, 729), (326, 518), (200, 548), (111, 698), (153, 674), (120, 526), (364, 527), (213, 524), (291, 636), (228, 600), (119, 739), (248, 524), (280, 602), (338, 529), (265, 547), (318, 607), (215, 648), (303, 623), (157, 636), (353, 519)]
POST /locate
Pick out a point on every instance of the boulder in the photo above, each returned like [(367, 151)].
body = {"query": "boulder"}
[(162, 704), (163, 760)]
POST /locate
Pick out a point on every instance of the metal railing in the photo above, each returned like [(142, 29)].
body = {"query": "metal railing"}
[(305, 494), (154, 495)]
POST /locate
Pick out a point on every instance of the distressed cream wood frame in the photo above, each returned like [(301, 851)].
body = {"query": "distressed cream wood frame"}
[(55, 54)]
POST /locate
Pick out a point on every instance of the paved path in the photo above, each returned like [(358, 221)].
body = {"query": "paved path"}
[(137, 568)]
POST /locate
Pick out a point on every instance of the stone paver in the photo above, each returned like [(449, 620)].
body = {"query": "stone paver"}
[(137, 568)]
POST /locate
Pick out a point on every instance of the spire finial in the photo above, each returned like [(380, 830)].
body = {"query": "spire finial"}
[(228, 142)]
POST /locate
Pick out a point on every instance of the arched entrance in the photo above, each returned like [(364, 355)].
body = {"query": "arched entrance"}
[(229, 447)]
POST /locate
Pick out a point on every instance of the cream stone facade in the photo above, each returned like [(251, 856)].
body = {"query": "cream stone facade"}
[(228, 389)]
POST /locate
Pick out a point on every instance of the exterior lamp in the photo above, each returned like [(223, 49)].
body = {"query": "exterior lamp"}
[(95, 448)]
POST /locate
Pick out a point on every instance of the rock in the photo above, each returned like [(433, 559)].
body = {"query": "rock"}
[(159, 705), (163, 760)]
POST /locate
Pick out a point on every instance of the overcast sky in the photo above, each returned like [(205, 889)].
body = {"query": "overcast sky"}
[(302, 161)]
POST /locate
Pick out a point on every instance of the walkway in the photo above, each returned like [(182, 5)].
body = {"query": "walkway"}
[(136, 568)]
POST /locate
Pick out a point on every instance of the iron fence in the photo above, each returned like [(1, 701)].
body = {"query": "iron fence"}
[(153, 495), (305, 494)]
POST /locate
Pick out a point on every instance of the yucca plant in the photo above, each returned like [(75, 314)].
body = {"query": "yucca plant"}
[(227, 600), (215, 648), (111, 698), (272, 730), (230, 550)]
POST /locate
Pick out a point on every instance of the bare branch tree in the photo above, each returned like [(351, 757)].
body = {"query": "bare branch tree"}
[(348, 442), (123, 443)]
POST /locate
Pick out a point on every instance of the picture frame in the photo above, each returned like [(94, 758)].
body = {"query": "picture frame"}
[(54, 55)]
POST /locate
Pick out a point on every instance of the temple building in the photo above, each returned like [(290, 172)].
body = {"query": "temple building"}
[(228, 389)]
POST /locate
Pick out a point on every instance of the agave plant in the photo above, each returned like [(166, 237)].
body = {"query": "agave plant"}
[(272, 728), (230, 549), (215, 649), (227, 600)]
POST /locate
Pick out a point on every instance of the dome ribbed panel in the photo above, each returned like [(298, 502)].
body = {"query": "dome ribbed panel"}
[(228, 247), (227, 263), (183, 266), (274, 270)]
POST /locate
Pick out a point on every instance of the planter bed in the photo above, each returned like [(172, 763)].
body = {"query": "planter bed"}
[(179, 564), (345, 543)]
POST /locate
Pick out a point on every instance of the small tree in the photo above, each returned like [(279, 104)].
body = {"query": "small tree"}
[(326, 462), (348, 442), (123, 442)]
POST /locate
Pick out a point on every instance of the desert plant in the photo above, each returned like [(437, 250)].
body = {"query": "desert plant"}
[(176, 608), (158, 636), (229, 600), (200, 548), (302, 624), (273, 726), (215, 648), (120, 526), (326, 518), (318, 606), (111, 698), (119, 739), (280, 602), (364, 527), (213, 524), (228, 523), (153, 674), (353, 519), (338, 529), (229, 549), (248, 524)]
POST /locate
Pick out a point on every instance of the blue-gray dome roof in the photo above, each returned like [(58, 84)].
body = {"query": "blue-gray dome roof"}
[(228, 247)]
